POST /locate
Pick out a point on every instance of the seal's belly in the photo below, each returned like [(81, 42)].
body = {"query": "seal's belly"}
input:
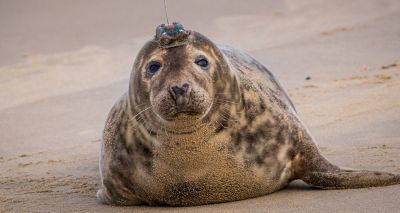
[(208, 173)]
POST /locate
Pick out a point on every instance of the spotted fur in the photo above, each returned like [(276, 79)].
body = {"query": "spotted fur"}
[(239, 136)]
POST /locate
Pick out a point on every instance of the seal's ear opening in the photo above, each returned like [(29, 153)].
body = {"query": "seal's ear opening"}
[(173, 35)]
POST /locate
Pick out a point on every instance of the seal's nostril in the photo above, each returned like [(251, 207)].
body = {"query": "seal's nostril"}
[(185, 87), (179, 91)]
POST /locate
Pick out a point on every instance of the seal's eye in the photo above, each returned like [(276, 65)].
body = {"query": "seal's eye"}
[(202, 62), (153, 67)]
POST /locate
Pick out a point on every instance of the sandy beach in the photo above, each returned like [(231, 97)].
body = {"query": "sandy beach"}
[(64, 63)]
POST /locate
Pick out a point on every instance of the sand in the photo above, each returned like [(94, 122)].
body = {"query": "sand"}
[(63, 64)]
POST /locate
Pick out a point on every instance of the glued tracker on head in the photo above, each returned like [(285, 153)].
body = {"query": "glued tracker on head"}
[(171, 35)]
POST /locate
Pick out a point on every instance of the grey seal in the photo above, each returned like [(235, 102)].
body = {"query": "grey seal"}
[(203, 123)]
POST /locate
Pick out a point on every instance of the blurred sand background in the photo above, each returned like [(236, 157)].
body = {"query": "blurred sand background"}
[(64, 63)]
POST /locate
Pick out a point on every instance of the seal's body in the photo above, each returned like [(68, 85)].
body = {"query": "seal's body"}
[(205, 124)]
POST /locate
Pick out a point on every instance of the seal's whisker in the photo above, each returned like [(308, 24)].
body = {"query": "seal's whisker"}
[(140, 112), (165, 130), (227, 108), (212, 125), (227, 112), (221, 124), (235, 113), (152, 131), (229, 116), (139, 105), (229, 120), (140, 121), (225, 102), (228, 101), (220, 95)]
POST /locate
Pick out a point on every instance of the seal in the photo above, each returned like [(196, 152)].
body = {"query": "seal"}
[(203, 123)]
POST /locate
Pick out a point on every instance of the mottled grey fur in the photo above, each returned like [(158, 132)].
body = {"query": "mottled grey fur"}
[(241, 137)]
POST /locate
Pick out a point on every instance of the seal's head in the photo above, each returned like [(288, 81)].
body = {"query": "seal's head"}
[(177, 75)]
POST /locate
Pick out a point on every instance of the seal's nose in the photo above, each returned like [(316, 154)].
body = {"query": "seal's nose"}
[(179, 91)]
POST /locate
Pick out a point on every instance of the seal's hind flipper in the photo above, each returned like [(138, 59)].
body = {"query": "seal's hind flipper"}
[(347, 179), (314, 169)]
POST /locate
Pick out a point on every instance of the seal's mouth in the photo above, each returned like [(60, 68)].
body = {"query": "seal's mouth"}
[(182, 108)]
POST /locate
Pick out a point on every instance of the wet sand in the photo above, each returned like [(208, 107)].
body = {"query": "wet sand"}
[(63, 64)]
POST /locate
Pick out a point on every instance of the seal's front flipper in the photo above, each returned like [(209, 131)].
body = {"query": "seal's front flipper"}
[(347, 179), (105, 197)]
